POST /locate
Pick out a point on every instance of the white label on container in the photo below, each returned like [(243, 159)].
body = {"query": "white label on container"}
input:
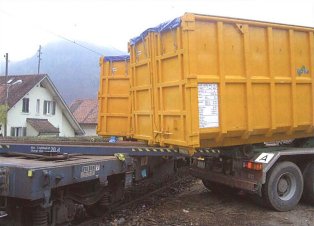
[(208, 105)]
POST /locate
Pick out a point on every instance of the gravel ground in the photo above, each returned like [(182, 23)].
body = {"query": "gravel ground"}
[(190, 203)]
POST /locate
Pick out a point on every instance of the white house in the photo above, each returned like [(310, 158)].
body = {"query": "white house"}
[(35, 108), (85, 112)]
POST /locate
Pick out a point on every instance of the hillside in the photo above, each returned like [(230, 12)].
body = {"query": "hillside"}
[(73, 69)]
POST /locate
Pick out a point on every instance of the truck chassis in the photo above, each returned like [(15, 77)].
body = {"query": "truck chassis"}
[(278, 175)]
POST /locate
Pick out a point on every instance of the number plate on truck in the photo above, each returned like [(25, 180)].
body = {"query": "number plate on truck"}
[(264, 157)]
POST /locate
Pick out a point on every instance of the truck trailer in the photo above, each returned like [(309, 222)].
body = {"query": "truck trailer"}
[(238, 94)]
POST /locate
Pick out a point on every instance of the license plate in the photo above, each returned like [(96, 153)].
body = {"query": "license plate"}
[(201, 164)]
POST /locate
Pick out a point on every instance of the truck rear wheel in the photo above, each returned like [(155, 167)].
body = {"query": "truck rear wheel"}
[(284, 186), (219, 188), (212, 186), (308, 177)]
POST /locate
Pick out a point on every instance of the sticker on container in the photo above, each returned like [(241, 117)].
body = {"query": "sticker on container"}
[(114, 69), (264, 157), (208, 105)]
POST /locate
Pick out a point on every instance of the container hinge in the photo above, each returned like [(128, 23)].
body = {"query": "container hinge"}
[(126, 68), (241, 28), (163, 132), (191, 82), (174, 36), (188, 22), (101, 61)]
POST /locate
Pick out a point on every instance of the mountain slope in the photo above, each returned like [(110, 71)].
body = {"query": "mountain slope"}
[(74, 70)]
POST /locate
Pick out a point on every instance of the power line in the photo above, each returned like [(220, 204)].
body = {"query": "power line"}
[(74, 42)]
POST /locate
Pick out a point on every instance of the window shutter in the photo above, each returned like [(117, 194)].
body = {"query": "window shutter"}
[(53, 107), (23, 106), (45, 107), (38, 106), (12, 131), (27, 105), (24, 131)]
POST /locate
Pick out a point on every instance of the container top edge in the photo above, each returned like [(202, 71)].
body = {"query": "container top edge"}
[(171, 24)]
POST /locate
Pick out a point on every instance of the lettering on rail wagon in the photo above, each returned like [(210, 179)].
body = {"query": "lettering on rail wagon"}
[(44, 149), (208, 105), (89, 170)]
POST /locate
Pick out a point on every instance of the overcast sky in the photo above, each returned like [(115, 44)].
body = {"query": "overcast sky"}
[(26, 24)]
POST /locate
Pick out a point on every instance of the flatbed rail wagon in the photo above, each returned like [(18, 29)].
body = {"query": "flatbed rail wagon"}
[(46, 184)]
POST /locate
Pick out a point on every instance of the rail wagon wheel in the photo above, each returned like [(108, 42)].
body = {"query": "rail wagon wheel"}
[(94, 210), (284, 186), (308, 177), (40, 217), (98, 209)]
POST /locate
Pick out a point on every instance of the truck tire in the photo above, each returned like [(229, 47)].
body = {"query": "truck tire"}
[(219, 188), (212, 186), (284, 186), (308, 177)]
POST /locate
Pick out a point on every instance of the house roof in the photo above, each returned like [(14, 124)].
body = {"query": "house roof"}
[(19, 85), (42, 125), (85, 111)]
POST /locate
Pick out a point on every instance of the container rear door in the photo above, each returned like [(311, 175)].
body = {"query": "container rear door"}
[(170, 89), (114, 101), (141, 90)]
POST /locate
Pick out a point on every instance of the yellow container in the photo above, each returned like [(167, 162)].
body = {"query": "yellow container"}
[(205, 81), (142, 89), (114, 116)]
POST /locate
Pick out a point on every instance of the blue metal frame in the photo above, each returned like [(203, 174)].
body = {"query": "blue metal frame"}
[(33, 181), (106, 150)]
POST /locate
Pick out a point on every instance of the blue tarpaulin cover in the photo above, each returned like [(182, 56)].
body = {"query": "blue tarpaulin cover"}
[(169, 25), (117, 58)]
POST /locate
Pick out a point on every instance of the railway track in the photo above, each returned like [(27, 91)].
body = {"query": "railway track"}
[(138, 194)]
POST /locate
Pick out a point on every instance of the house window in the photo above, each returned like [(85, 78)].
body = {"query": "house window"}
[(18, 131), (25, 107), (38, 106), (49, 107)]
